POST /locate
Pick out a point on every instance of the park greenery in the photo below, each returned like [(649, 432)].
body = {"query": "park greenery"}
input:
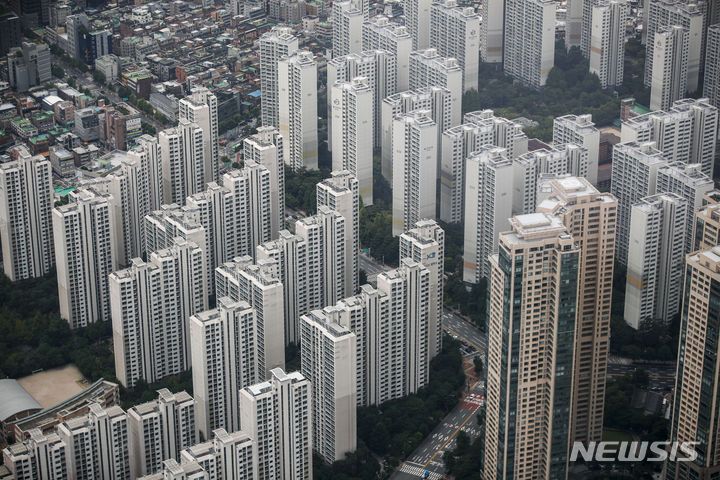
[(34, 337), (396, 428), (301, 187), (465, 461), (570, 89)]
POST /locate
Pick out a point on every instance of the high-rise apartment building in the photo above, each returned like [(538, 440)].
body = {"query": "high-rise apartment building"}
[(488, 207), (690, 183), (533, 293), (440, 102), (347, 23), (492, 30), (277, 414), (455, 32), (40, 456), (353, 127), (675, 13), (574, 24), (96, 444), (297, 109), (379, 67), (669, 75), (697, 371), (266, 148), (656, 259), (590, 218), (328, 362), (201, 108), (529, 40), (380, 34), (340, 193), (480, 128), (530, 169), (236, 216), (634, 176), (607, 41), (183, 169), (158, 430), (274, 45), (224, 456), (425, 244), (711, 85), (324, 235), (417, 21), (580, 130), (686, 133), (259, 286), (26, 202), (85, 242), (414, 164), (224, 359), (429, 69), (150, 304)]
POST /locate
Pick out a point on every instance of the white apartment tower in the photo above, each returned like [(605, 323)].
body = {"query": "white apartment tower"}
[(690, 183), (328, 362), (425, 244), (379, 67), (277, 414), (340, 193), (26, 202), (266, 148), (711, 86), (686, 133), (669, 76), (414, 164), (455, 32), (480, 128), (347, 23), (580, 130), (441, 104), (147, 152), (408, 290), (183, 168), (429, 69), (676, 13), (492, 30), (297, 109), (529, 170), (224, 359), (634, 176), (607, 41), (274, 45), (380, 34), (289, 252), (488, 207), (96, 444), (353, 116), (85, 254), (224, 456), (40, 456), (324, 234), (150, 304), (201, 108), (656, 259), (159, 430), (259, 286), (417, 20), (529, 40)]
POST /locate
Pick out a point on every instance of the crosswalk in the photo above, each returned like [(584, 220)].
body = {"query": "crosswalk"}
[(419, 471)]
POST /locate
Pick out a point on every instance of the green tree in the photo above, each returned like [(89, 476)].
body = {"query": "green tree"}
[(57, 71)]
